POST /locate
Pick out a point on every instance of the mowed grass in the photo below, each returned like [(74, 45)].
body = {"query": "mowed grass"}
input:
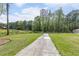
[(18, 42), (66, 43), (3, 32)]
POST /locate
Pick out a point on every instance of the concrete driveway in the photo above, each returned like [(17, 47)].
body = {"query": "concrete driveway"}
[(43, 46)]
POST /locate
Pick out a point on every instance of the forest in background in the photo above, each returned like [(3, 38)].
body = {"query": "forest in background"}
[(54, 22)]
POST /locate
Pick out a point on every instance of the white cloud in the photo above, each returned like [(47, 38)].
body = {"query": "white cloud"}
[(25, 14), (31, 11), (54, 5), (19, 4), (3, 18), (72, 5)]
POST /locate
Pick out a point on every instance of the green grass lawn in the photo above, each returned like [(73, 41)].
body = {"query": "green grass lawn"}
[(3, 32), (67, 44), (18, 42)]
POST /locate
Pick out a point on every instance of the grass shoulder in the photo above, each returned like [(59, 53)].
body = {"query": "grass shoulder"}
[(66, 43), (18, 42)]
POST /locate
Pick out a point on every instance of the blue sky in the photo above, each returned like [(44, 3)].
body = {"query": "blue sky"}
[(28, 11)]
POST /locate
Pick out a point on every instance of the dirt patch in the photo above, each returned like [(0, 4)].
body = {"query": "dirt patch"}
[(4, 40)]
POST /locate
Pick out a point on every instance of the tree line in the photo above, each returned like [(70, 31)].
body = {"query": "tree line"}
[(53, 22), (57, 22), (21, 25)]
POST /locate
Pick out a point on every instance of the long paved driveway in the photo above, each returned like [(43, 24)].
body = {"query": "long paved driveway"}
[(43, 46)]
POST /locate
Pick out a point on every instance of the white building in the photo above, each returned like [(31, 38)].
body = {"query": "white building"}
[(43, 12)]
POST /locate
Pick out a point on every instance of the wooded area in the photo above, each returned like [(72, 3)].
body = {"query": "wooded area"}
[(53, 22), (56, 22)]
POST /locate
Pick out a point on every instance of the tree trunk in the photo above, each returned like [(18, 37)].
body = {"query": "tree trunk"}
[(7, 8)]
